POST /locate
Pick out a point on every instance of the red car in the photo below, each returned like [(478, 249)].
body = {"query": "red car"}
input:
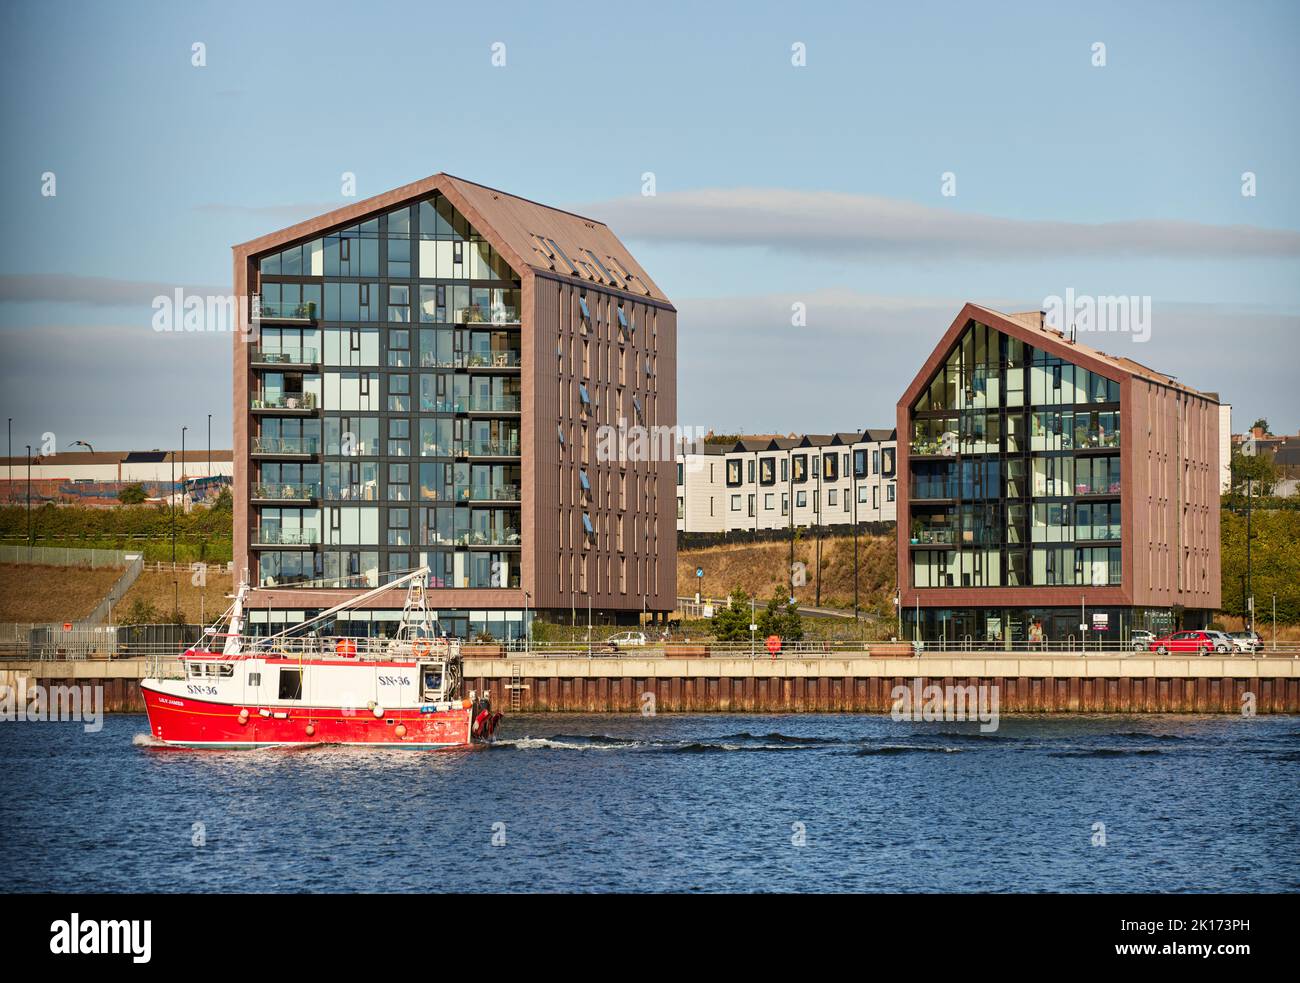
[(1199, 642)]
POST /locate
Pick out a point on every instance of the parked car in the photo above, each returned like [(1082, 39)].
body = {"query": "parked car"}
[(627, 639), (1141, 638), (1198, 642), (1246, 641)]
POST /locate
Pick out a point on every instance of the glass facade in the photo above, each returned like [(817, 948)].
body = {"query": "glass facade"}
[(1015, 470), (386, 406)]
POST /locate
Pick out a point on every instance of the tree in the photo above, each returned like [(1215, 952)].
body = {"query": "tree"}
[(781, 618), (1258, 469), (224, 502), (141, 612), (1260, 424), (731, 624), (132, 495)]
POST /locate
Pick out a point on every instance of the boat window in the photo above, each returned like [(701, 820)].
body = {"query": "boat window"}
[(291, 684), (254, 679)]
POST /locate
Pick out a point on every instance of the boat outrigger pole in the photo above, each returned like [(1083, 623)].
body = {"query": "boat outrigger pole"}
[(237, 609)]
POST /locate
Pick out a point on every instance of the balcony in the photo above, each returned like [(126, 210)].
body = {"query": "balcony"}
[(285, 491), (281, 311), (489, 493), (489, 537), (286, 446), (284, 402), (489, 448), (271, 536), (933, 537), (490, 360), (922, 447), (1084, 488), (1096, 440), (494, 404), (477, 314), (280, 357)]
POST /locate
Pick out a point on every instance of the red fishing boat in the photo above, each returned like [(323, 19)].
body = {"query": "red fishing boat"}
[(300, 687)]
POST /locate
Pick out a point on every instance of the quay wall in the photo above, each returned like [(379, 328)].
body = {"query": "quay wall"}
[(1055, 684)]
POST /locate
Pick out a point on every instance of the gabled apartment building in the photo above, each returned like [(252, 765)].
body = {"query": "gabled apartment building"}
[(1050, 491), (425, 381), (754, 484)]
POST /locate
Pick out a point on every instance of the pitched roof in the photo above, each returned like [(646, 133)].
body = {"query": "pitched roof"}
[(1031, 328), (549, 241)]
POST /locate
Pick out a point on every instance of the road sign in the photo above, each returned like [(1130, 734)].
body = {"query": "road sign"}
[(774, 643), (699, 571), (753, 627)]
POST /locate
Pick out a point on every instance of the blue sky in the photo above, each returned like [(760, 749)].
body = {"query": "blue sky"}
[(775, 184)]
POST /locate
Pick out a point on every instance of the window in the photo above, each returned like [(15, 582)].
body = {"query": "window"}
[(587, 526), (800, 465), (889, 496), (291, 684), (733, 473), (735, 503), (800, 499), (830, 497), (767, 471)]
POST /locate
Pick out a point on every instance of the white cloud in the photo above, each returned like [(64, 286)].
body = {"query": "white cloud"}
[(866, 225)]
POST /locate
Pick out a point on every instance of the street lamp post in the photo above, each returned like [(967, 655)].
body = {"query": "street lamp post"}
[(29, 498), (527, 632)]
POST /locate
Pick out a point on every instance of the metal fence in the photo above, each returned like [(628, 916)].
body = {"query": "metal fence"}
[(63, 556), (40, 642), (104, 610)]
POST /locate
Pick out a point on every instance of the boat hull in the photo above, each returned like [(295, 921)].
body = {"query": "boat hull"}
[(183, 721)]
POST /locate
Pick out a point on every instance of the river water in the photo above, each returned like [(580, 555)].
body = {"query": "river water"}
[(816, 802)]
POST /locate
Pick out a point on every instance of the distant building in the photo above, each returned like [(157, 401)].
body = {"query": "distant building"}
[(763, 483), (96, 477)]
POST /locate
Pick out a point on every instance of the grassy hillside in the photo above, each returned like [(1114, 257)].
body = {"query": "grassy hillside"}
[(758, 568), (30, 593)]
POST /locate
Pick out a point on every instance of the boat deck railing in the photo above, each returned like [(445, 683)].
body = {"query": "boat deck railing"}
[(345, 648)]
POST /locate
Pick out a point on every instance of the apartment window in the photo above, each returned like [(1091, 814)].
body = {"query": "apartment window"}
[(830, 468), (767, 502), (875, 462), (785, 503), (816, 464), (767, 471), (800, 465), (583, 395), (735, 503), (583, 481), (831, 497), (749, 472), (785, 469), (587, 526), (586, 311), (801, 499), (889, 493), (733, 474), (751, 505), (875, 497)]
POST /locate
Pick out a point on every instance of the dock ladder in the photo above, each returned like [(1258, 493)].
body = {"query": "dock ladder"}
[(516, 684)]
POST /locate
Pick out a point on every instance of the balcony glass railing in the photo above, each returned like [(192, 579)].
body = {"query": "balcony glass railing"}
[(278, 310), (285, 356), (430, 405), (938, 537), (489, 537), (1096, 532), (489, 360), (926, 446), (286, 445), (494, 404), (288, 491), (492, 493), (491, 448), (273, 536), (1085, 439), (1096, 488), (284, 401), (475, 314)]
